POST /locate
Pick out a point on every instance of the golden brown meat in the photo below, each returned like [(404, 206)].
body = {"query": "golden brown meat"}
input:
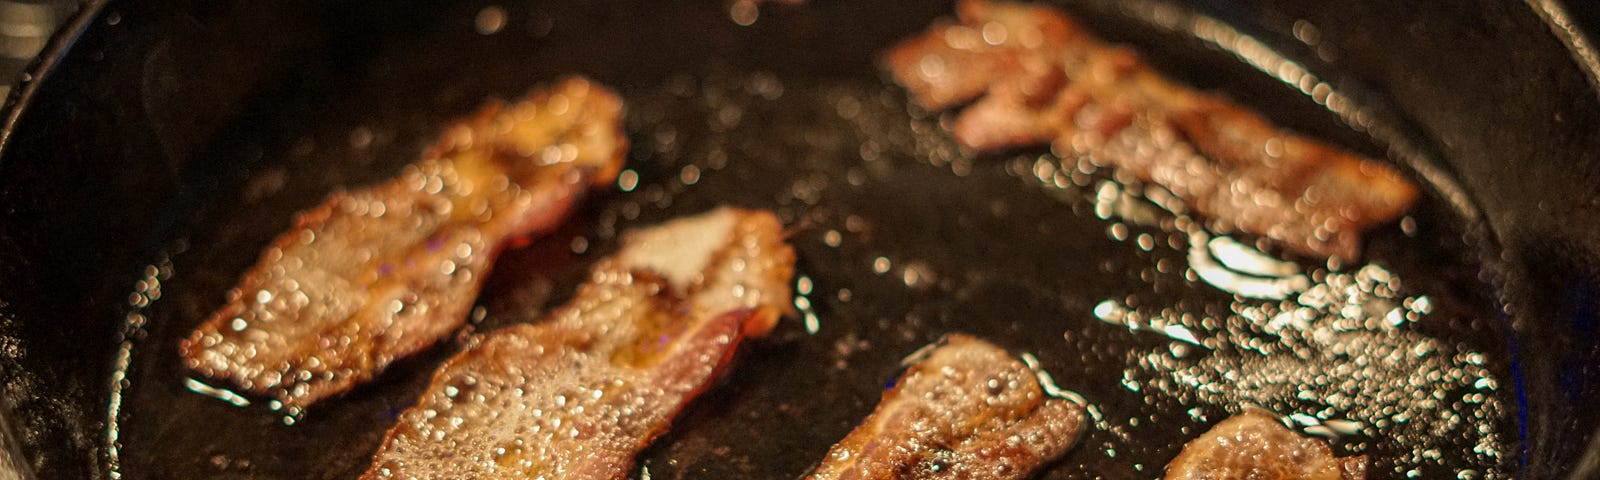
[(1255, 446), (578, 395), (967, 410), (378, 273), (1037, 77)]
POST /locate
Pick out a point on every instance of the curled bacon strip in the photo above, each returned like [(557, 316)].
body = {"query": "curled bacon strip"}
[(578, 395), (378, 273), (1037, 77), (965, 410), (1255, 446)]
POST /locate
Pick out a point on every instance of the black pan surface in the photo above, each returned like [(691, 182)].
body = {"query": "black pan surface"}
[(1406, 355)]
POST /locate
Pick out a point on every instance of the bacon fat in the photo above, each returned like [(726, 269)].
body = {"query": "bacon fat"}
[(378, 273), (966, 409), (579, 394), (1034, 76)]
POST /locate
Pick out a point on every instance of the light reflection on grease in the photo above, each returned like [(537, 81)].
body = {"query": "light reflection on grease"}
[(802, 304), (218, 393), (1048, 385), (1234, 268), (1113, 312), (146, 290), (1329, 346)]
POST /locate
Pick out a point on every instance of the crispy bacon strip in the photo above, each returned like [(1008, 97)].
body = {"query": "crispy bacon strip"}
[(378, 273), (1044, 79), (966, 410), (1255, 446), (578, 395)]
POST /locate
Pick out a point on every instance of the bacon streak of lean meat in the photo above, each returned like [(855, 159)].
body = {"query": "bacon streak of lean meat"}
[(579, 394), (966, 410), (1255, 446), (1034, 76), (378, 273)]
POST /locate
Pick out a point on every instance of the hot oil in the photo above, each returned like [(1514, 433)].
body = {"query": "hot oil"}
[(1163, 325)]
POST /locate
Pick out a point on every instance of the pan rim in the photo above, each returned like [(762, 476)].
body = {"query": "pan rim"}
[(55, 50)]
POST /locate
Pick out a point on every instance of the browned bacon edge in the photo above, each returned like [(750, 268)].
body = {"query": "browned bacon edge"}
[(579, 394), (1256, 446), (1038, 77), (378, 273), (966, 409)]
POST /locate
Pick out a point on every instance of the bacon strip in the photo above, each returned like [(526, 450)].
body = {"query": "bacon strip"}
[(967, 410), (1038, 77), (578, 395), (1256, 446), (378, 273)]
